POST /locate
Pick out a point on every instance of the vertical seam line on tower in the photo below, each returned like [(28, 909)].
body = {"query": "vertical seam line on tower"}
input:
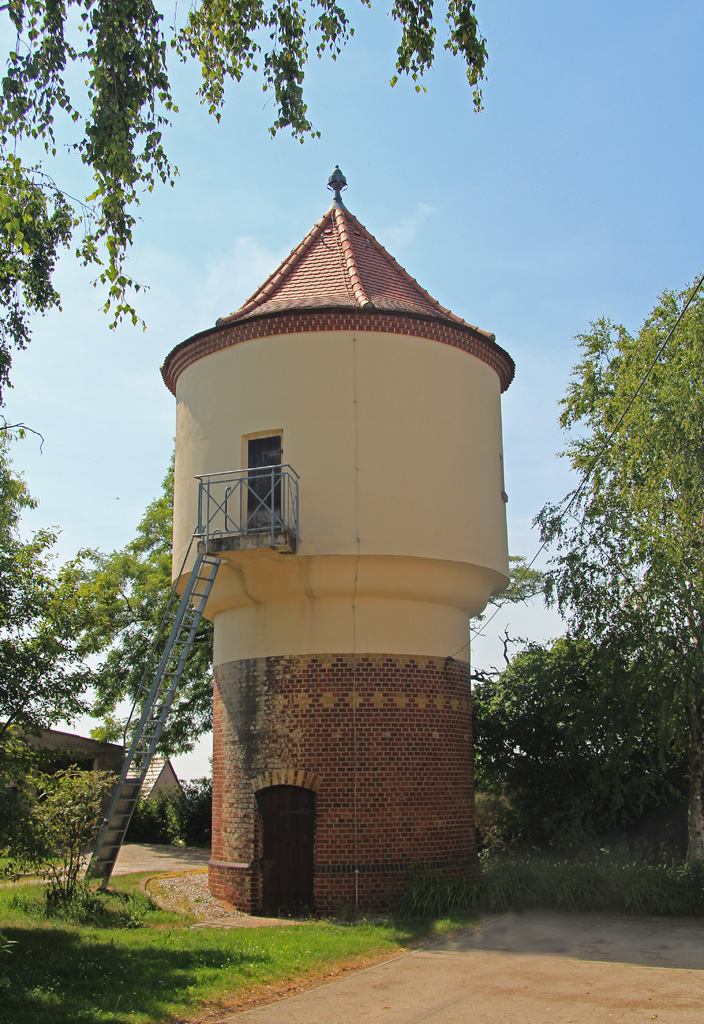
[(354, 613)]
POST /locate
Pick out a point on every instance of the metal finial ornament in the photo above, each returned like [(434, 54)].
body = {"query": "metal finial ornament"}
[(337, 183)]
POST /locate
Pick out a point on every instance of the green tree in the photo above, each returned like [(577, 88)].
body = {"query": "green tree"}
[(41, 622), (628, 570), (523, 585), (18, 768), (115, 123), (41, 625), (124, 600), (35, 222), (65, 820), (568, 737)]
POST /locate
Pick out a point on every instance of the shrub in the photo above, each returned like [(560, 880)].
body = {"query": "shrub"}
[(159, 819), (65, 820), (102, 908), (602, 882), (433, 897), (199, 812), (20, 765), (174, 816), (493, 821), (567, 734), (5, 948)]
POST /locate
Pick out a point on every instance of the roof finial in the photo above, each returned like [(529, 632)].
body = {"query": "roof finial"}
[(337, 183)]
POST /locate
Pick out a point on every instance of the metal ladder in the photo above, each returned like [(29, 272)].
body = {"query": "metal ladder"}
[(154, 699)]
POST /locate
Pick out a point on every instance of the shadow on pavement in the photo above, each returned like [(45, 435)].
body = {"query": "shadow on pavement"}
[(649, 942)]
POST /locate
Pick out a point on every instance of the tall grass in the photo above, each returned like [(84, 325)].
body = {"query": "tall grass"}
[(432, 897), (600, 882)]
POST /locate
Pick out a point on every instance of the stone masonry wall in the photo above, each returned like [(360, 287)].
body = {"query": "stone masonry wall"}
[(385, 740)]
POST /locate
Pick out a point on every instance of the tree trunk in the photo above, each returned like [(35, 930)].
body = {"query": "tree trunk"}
[(695, 761)]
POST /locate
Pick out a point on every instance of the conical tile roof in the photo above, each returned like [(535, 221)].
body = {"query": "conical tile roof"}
[(339, 266)]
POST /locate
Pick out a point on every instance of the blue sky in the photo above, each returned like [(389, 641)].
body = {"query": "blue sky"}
[(576, 193)]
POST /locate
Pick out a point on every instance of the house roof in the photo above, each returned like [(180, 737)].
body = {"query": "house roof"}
[(340, 266), (158, 767)]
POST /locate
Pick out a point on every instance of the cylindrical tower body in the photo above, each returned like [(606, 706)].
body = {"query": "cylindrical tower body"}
[(342, 719)]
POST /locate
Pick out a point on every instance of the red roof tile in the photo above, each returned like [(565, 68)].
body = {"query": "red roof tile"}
[(340, 266)]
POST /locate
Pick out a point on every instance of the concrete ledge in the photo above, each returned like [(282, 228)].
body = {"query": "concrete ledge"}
[(283, 540)]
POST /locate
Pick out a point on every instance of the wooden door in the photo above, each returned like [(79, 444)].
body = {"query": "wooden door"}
[(264, 484), (288, 827)]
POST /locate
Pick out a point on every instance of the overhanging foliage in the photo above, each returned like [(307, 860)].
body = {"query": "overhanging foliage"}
[(114, 123)]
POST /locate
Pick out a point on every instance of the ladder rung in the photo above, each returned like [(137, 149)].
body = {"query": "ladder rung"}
[(155, 694)]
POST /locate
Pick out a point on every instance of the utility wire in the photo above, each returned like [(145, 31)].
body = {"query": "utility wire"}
[(599, 455)]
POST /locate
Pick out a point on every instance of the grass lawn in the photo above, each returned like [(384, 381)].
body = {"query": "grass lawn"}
[(159, 970), (4, 865)]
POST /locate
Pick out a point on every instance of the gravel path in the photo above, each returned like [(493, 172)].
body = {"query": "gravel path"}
[(189, 892)]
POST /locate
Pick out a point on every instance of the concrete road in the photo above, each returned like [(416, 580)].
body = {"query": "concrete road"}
[(531, 968), (152, 857)]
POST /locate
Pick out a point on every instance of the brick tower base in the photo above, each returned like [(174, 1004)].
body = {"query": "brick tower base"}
[(385, 741)]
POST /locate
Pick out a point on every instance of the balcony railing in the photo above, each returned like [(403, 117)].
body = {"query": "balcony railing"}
[(249, 508)]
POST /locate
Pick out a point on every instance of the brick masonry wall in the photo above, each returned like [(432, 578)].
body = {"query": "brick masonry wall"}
[(395, 731)]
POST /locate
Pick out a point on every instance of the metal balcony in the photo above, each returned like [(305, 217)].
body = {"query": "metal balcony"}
[(248, 508)]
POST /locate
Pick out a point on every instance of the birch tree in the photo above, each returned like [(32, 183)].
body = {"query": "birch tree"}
[(628, 570)]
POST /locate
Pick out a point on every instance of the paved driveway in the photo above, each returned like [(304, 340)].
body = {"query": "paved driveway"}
[(531, 968), (152, 857)]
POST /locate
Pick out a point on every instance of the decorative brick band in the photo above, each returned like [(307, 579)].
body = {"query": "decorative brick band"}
[(287, 777), (401, 865), (310, 321)]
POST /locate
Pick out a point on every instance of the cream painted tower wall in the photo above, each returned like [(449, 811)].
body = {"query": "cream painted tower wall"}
[(397, 442)]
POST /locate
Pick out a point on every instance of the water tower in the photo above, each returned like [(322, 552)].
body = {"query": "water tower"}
[(338, 446)]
